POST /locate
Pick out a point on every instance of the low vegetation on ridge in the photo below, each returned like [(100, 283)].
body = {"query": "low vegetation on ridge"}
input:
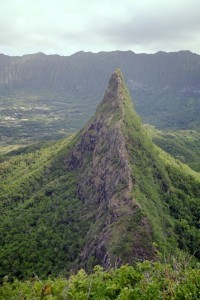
[(147, 280)]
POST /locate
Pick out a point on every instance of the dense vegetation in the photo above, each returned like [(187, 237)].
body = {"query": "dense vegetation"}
[(53, 204), (147, 280), (40, 213), (167, 190), (182, 144)]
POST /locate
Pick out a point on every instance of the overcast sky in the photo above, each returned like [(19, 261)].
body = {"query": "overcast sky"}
[(68, 26)]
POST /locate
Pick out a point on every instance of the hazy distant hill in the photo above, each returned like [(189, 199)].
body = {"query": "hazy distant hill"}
[(165, 88)]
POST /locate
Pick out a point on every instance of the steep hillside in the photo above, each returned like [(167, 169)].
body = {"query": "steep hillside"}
[(181, 144), (106, 195), (38, 92)]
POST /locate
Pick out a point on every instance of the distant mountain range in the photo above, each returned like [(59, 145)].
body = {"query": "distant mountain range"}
[(165, 88)]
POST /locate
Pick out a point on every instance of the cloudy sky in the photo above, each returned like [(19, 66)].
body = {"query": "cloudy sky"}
[(68, 26)]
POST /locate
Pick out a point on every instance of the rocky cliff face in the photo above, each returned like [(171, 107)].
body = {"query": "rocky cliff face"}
[(105, 185)]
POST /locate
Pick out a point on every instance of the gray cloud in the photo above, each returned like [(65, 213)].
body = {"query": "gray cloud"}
[(169, 26), (67, 26)]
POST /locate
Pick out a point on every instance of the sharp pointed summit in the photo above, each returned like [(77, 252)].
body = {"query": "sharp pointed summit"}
[(105, 182), (111, 108), (113, 94)]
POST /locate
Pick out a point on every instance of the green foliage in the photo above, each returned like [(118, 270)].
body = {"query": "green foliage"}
[(183, 145), (146, 280), (41, 223), (167, 190), (184, 204)]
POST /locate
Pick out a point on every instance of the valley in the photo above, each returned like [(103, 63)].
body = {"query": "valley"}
[(25, 120)]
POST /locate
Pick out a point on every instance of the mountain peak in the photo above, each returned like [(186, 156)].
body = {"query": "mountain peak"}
[(112, 108), (105, 182), (116, 79), (113, 93)]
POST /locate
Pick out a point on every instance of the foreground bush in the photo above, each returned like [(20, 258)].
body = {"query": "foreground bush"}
[(144, 281)]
